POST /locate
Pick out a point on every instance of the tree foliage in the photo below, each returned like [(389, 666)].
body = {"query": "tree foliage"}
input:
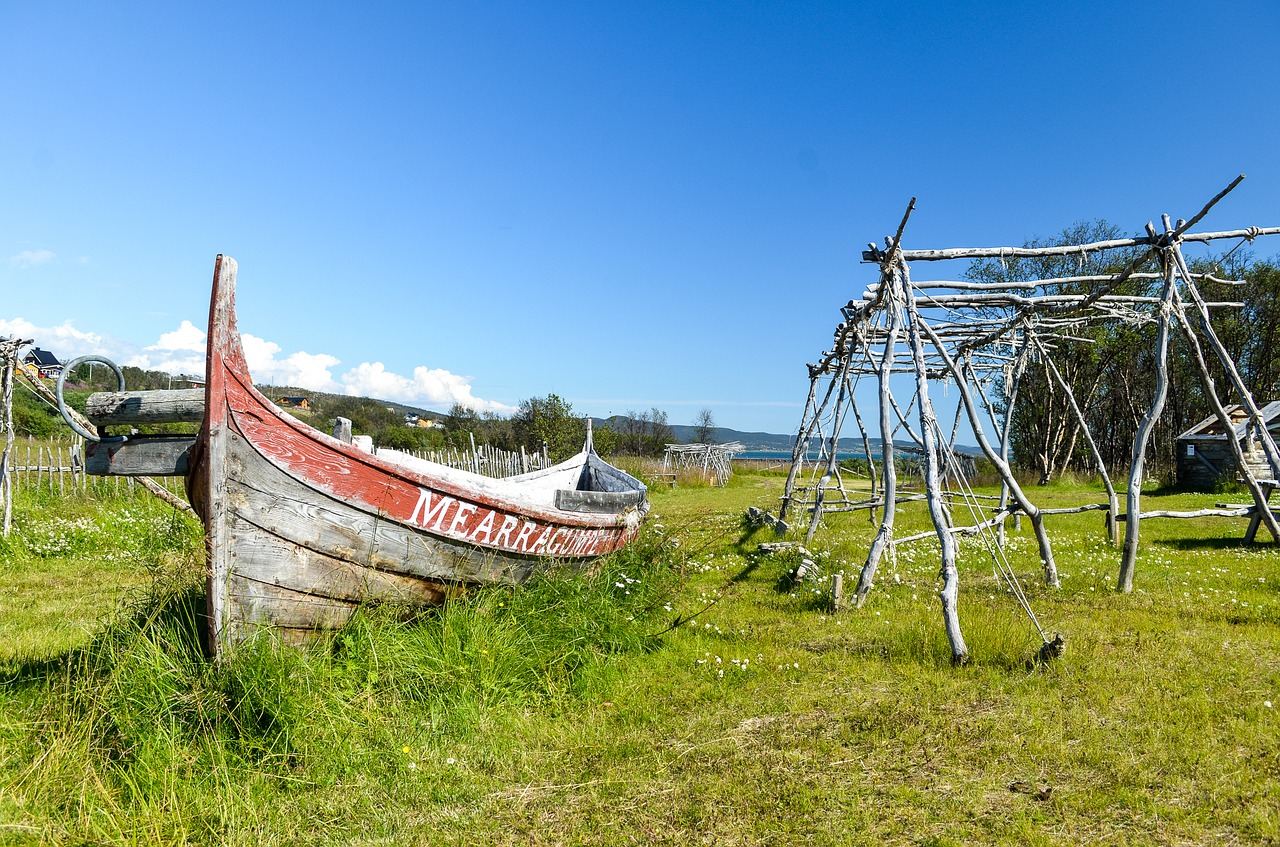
[(645, 434), (1046, 434), (704, 427), (549, 420), (1111, 369)]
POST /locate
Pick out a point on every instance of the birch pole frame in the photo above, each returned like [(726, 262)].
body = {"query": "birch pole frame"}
[(955, 326)]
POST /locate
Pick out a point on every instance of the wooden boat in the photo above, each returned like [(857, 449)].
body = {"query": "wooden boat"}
[(301, 527)]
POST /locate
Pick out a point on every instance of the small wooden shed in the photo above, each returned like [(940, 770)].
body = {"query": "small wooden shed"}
[(1205, 457)]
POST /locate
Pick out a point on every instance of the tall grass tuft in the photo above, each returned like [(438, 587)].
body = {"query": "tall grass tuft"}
[(138, 729)]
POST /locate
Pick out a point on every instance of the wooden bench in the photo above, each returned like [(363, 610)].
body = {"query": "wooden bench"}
[(1255, 516), (669, 477)]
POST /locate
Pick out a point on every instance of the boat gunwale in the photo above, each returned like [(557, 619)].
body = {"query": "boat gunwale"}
[(232, 356), (378, 514), (408, 475)]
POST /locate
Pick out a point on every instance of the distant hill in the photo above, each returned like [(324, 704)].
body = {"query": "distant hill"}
[(771, 441), (753, 441), (321, 400)]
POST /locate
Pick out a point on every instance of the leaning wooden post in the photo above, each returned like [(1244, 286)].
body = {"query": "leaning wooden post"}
[(950, 593), (1001, 466), (1261, 506), (1228, 365), (800, 449), (866, 452), (1113, 500), (1006, 428), (861, 339), (842, 376), (889, 489), (8, 363), (1133, 498)]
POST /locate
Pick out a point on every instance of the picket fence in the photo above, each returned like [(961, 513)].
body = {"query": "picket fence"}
[(59, 468), (486, 460)]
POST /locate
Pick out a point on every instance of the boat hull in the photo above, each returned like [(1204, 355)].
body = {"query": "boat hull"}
[(301, 528)]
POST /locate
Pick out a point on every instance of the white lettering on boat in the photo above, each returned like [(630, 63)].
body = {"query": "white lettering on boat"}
[(522, 540), (424, 506), (460, 515), (485, 528), (540, 546), (504, 534), (476, 524)]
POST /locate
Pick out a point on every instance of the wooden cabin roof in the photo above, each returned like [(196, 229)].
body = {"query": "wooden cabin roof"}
[(1210, 428), (42, 358)]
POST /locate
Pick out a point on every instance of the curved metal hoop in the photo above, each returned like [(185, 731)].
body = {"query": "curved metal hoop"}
[(62, 405)]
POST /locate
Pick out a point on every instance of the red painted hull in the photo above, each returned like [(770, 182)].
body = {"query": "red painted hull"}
[(302, 527)]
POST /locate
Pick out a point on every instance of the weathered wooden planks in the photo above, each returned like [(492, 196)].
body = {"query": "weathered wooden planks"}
[(118, 408), (265, 496), (152, 455), (601, 502), (301, 527)]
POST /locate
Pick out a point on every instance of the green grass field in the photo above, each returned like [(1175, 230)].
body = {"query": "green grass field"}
[(685, 691)]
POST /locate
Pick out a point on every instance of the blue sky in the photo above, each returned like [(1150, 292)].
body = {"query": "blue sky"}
[(627, 204)]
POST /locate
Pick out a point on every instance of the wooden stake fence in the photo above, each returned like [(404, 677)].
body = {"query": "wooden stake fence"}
[(59, 469), (487, 460)]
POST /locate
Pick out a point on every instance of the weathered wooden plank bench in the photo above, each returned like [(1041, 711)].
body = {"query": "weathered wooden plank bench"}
[(142, 455), (1252, 511), (1255, 518), (668, 477)]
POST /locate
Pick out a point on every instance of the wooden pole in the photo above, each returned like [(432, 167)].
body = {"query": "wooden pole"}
[(949, 595), (1228, 365), (833, 443), (8, 364), (165, 495), (1018, 368), (808, 421), (1133, 497), (866, 450), (884, 535), (1113, 531), (1261, 506), (1002, 467)]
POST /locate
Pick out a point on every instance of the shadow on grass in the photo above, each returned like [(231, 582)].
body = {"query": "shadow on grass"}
[(1210, 543), (750, 531), (164, 613)]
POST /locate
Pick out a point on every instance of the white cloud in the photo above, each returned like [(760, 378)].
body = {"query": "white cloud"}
[(66, 342), (182, 351), (301, 369), (171, 362), (430, 386), (31, 258), (185, 337)]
